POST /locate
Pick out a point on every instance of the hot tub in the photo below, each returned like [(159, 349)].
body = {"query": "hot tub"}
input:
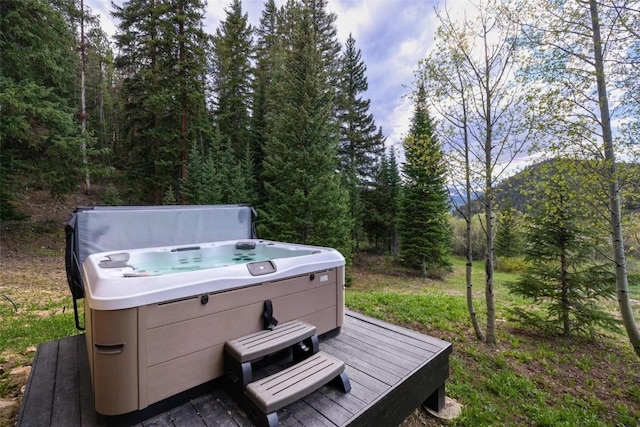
[(157, 318)]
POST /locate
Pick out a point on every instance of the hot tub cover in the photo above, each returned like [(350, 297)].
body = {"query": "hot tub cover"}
[(97, 229)]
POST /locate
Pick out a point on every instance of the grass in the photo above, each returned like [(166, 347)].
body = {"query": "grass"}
[(526, 378), (35, 305), (634, 287), (437, 312), (37, 322), (32, 321)]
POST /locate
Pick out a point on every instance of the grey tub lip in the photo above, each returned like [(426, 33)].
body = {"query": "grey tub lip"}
[(105, 291)]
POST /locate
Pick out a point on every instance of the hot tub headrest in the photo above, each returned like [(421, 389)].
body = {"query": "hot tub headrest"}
[(91, 230)]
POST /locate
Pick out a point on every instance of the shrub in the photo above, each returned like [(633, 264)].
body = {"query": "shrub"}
[(478, 238), (111, 196), (517, 264)]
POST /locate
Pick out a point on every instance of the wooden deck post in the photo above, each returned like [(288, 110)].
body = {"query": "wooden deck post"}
[(436, 400)]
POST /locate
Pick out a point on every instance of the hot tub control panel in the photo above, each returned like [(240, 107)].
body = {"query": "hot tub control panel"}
[(261, 267)]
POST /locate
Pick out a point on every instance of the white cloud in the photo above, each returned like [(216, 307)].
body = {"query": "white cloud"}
[(103, 10), (215, 13), (356, 17), (396, 36)]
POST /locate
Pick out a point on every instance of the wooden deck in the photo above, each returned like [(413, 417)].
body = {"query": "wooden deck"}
[(392, 371)]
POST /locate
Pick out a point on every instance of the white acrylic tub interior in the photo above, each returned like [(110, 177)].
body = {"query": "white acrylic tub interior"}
[(137, 277)]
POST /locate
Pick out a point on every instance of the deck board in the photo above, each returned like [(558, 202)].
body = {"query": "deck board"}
[(392, 371), (211, 411), (410, 347), (66, 399), (40, 391)]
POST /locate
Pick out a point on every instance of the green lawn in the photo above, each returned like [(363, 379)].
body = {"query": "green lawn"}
[(526, 379)]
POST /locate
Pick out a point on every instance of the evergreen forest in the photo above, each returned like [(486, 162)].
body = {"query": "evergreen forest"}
[(163, 113), (277, 116)]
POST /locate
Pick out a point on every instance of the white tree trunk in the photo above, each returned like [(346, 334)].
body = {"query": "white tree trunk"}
[(83, 103), (614, 195)]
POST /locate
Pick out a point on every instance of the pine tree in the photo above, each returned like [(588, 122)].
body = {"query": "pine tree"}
[(111, 196), (232, 48), (162, 56), (305, 202), (381, 205), (326, 38), (198, 187), (100, 87), (360, 143), (508, 242), (564, 282), (266, 54), (235, 176), (394, 185), (39, 137), (215, 176), (93, 98), (423, 225), (136, 42)]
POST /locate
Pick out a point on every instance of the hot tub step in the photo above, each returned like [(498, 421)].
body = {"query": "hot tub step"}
[(264, 343), (240, 353), (279, 390)]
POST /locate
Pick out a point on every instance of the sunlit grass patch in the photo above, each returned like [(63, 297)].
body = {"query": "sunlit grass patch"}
[(566, 416), (437, 311), (508, 385), (34, 322)]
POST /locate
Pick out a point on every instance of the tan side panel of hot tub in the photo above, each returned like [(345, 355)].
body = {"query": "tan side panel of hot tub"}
[(303, 306), (115, 360), (183, 373), (178, 339), (188, 353), (340, 290), (185, 339), (143, 398), (324, 320), (171, 377), (176, 311), (88, 336)]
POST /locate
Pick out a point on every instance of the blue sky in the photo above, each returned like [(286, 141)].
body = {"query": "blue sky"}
[(393, 35)]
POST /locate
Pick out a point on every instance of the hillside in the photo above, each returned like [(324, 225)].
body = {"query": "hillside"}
[(515, 191), (43, 225)]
